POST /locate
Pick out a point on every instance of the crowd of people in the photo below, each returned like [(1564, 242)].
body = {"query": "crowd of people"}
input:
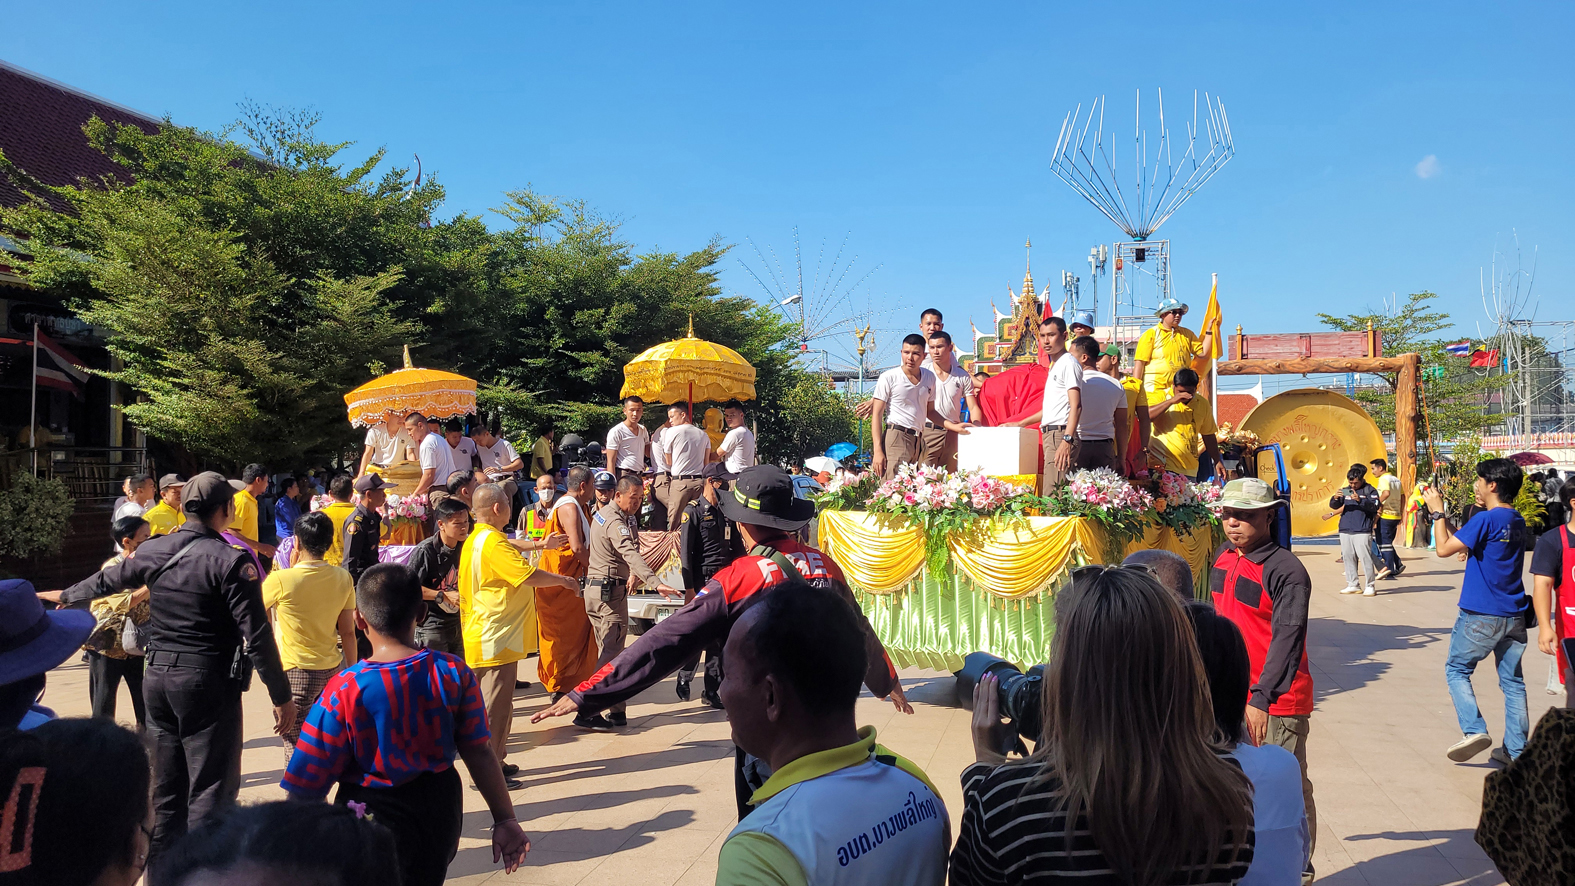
[(383, 676)]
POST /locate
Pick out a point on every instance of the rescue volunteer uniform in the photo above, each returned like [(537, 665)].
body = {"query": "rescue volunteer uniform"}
[(1265, 593), (207, 629), (614, 552), (1554, 557), (1389, 517), (496, 609), (851, 815)]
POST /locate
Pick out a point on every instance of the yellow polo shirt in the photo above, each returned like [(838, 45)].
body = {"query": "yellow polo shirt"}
[(307, 599), (162, 519), (497, 610), (1178, 434), (246, 515), (338, 512), (1166, 352)]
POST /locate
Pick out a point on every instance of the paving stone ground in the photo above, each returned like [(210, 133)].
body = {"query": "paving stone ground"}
[(654, 804)]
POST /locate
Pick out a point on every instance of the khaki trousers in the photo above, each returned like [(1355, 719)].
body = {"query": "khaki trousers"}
[(1053, 476), (659, 487), (1290, 733), (610, 622), (497, 693), (679, 494), (901, 449), (940, 448)]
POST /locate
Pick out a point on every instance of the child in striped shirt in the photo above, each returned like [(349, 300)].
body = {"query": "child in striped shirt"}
[(387, 730)]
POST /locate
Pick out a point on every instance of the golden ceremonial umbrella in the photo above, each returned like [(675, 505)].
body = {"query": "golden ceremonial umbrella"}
[(431, 392), (690, 369)]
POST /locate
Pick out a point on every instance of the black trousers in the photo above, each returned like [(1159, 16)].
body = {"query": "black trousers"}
[(104, 676), (1387, 530), (426, 817), (194, 725), (713, 668)]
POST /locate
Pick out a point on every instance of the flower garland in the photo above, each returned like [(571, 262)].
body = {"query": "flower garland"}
[(1183, 505)]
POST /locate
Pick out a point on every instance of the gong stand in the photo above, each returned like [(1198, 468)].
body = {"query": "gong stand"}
[(1304, 353)]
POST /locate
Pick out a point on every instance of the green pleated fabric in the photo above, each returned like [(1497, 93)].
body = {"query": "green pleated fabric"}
[(939, 619)]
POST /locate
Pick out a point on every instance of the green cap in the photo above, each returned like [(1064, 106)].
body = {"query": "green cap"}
[(1247, 494), (1111, 350)]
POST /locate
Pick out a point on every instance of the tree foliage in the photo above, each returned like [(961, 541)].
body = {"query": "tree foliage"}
[(247, 279), (35, 516), (1456, 395)]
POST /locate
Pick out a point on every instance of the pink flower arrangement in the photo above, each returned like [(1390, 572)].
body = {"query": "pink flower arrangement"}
[(321, 501), (1105, 488), (924, 489), (405, 507)]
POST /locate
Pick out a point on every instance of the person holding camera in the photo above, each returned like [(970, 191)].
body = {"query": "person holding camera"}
[(615, 567), (1357, 507)]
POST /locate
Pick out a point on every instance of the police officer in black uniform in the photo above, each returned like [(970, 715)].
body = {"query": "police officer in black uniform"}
[(364, 527), (208, 629), (707, 542)]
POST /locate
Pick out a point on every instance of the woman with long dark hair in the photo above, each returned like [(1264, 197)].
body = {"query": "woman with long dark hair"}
[(1129, 784)]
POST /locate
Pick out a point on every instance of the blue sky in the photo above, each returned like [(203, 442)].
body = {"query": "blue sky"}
[(921, 132)]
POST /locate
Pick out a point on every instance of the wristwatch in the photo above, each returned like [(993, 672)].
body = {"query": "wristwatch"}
[(1435, 516), (1068, 438)]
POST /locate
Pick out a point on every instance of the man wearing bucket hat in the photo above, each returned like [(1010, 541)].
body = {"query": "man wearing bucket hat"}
[(763, 506), (1167, 347), (1082, 324), (33, 641), (208, 629), (1263, 588)]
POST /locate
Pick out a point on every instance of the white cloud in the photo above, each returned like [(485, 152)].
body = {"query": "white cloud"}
[(1429, 167)]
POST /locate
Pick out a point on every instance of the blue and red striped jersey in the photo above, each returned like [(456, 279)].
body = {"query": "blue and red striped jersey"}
[(383, 723)]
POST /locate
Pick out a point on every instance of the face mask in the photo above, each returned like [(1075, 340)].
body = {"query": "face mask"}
[(548, 495)]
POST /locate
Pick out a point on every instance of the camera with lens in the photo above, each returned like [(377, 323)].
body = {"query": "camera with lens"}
[(1020, 695)]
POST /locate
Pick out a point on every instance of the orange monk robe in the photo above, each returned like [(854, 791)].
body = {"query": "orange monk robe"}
[(568, 647)]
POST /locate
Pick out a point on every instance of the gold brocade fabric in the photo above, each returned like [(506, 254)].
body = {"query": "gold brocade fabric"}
[(1013, 560)]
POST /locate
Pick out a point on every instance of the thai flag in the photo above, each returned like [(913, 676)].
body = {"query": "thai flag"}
[(1459, 349), (57, 367)]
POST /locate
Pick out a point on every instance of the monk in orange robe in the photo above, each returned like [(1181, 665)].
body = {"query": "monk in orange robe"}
[(568, 646)]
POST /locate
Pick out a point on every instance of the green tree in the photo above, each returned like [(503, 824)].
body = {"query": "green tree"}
[(246, 288), (1456, 395), (35, 516)]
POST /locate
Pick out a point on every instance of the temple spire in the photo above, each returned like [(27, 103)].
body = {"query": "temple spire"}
[(1028, 269)]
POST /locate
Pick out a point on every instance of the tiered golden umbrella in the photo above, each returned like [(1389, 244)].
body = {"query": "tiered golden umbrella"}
[(690, 369), (431, 392)]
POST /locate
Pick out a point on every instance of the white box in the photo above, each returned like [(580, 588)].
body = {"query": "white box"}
[(999, 452)]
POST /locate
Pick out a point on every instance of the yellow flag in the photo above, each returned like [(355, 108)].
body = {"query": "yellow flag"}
[(1212, 320)]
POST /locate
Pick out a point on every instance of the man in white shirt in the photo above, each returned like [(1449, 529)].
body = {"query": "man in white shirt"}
[(686, 447), (737, 449), (628, 442), (1102, 428), (464, 448), (1062, 406), (436, 458), (904, 400), (386, 444), (662, 480), (139, 497), (954, 389), (499, 461)]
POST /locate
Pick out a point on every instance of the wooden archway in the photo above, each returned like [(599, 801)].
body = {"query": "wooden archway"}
[(1305, 361)]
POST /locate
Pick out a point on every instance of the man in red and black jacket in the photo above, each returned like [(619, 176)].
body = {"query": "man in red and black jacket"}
[(1264, 589), (766, 511)]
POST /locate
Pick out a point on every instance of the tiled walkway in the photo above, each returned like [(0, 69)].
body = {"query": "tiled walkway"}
[(651, 807)]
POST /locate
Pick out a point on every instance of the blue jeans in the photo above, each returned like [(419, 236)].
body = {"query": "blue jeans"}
[(1473, 639)]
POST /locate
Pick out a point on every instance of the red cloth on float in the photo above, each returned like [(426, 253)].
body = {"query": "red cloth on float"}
[(1014, 395)]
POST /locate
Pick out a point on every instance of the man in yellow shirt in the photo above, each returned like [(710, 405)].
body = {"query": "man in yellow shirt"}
[(340, 488), (1167, 348), (166, 517), (1184, 424), (253, 482), (496, 607), (311, 604)]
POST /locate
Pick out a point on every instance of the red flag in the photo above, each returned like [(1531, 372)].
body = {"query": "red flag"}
[(57, 367), (1483, 358)]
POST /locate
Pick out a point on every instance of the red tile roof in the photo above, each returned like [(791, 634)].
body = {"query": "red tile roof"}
[(41, 131), (1234, 407)]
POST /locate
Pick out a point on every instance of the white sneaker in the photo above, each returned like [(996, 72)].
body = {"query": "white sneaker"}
[(1369, 591), (1383, 573), (1350, 589), (1469, 747)]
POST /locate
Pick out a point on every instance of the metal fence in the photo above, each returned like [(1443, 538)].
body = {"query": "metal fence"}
[(93, 474)]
